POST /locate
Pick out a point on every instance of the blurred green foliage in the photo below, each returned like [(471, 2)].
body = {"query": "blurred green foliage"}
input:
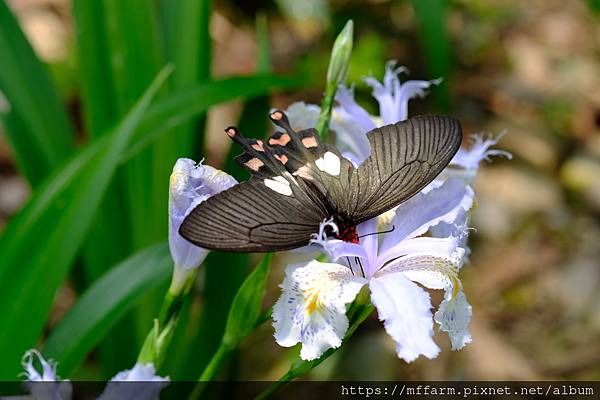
[(84, 264), (120, 48)]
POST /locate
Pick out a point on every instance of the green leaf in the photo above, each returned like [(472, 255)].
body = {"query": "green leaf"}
[(135, 54), (164, 114), (189, 44), (97, 89), (111, 225), (242, 319), (104, 303), (39, 246), (119, 53), (221, 286), (179, 107), (263, 58), (35, 121), (594, 6), (188, 47), (431, 17), (246, 305), (111, 228), (36, 252)]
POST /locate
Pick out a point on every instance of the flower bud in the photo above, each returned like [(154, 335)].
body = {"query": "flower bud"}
[(340, 56), (190, 185)]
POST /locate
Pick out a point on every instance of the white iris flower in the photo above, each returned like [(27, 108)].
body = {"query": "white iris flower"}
[(312, 306)]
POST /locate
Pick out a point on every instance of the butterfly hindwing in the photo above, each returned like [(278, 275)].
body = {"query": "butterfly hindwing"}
[(255, 216), (405, 157)]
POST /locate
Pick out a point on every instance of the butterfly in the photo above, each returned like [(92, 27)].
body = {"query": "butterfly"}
[(298, 182)]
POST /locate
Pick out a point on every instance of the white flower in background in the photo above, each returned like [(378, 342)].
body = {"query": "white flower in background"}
[(138, 383), (312, 306), (190, 184), (44, 384), (466, 162), (351, 122), (480, 150), (392, 96)]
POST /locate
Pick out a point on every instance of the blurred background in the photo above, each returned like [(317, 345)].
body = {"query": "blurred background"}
[(531, 69)]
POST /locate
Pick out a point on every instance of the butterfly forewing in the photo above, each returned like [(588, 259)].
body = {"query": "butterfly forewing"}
[(405, 157)]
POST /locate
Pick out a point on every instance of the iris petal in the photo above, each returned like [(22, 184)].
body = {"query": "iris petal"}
[(190, 185), (405, 309), (312, 307)]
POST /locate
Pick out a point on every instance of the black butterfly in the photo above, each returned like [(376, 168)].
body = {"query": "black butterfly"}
[(298, 182)]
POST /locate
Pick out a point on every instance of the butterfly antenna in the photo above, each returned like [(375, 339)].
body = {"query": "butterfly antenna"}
[(378, 233)]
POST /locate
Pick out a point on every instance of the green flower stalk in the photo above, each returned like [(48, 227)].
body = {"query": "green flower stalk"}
[(336, 75), (190, 184), (244, 316)]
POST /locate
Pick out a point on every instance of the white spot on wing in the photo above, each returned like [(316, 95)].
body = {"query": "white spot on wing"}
[(329, 163), (280, 185)]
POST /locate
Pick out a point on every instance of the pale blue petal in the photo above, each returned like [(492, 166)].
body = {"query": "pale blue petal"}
[(369, 241), (454, 315), (418, 214), (191, 184), (432, 269), (48, 373), (336, 249), (140, 372), (405, 309), (360, 116), (142, 383), (45, 384), (349, 137), (438, 247), (393, 96), (479, 150), (353, 158), (407, 91), (351, 122), (458, 229), (302, 115)]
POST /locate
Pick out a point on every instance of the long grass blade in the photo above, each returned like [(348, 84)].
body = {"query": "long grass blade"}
[(95, 312), (34, 119), (36, 251), (35, 258)]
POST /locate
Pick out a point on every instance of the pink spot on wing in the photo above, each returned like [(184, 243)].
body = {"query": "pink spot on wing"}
[(283, 158), (231, 132), (254, 164), (258, 146), (277, 115), (282, 141), (309, 142)]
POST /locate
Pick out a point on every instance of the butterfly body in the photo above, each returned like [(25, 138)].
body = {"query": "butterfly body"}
[(347, 232), (297, 183)]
